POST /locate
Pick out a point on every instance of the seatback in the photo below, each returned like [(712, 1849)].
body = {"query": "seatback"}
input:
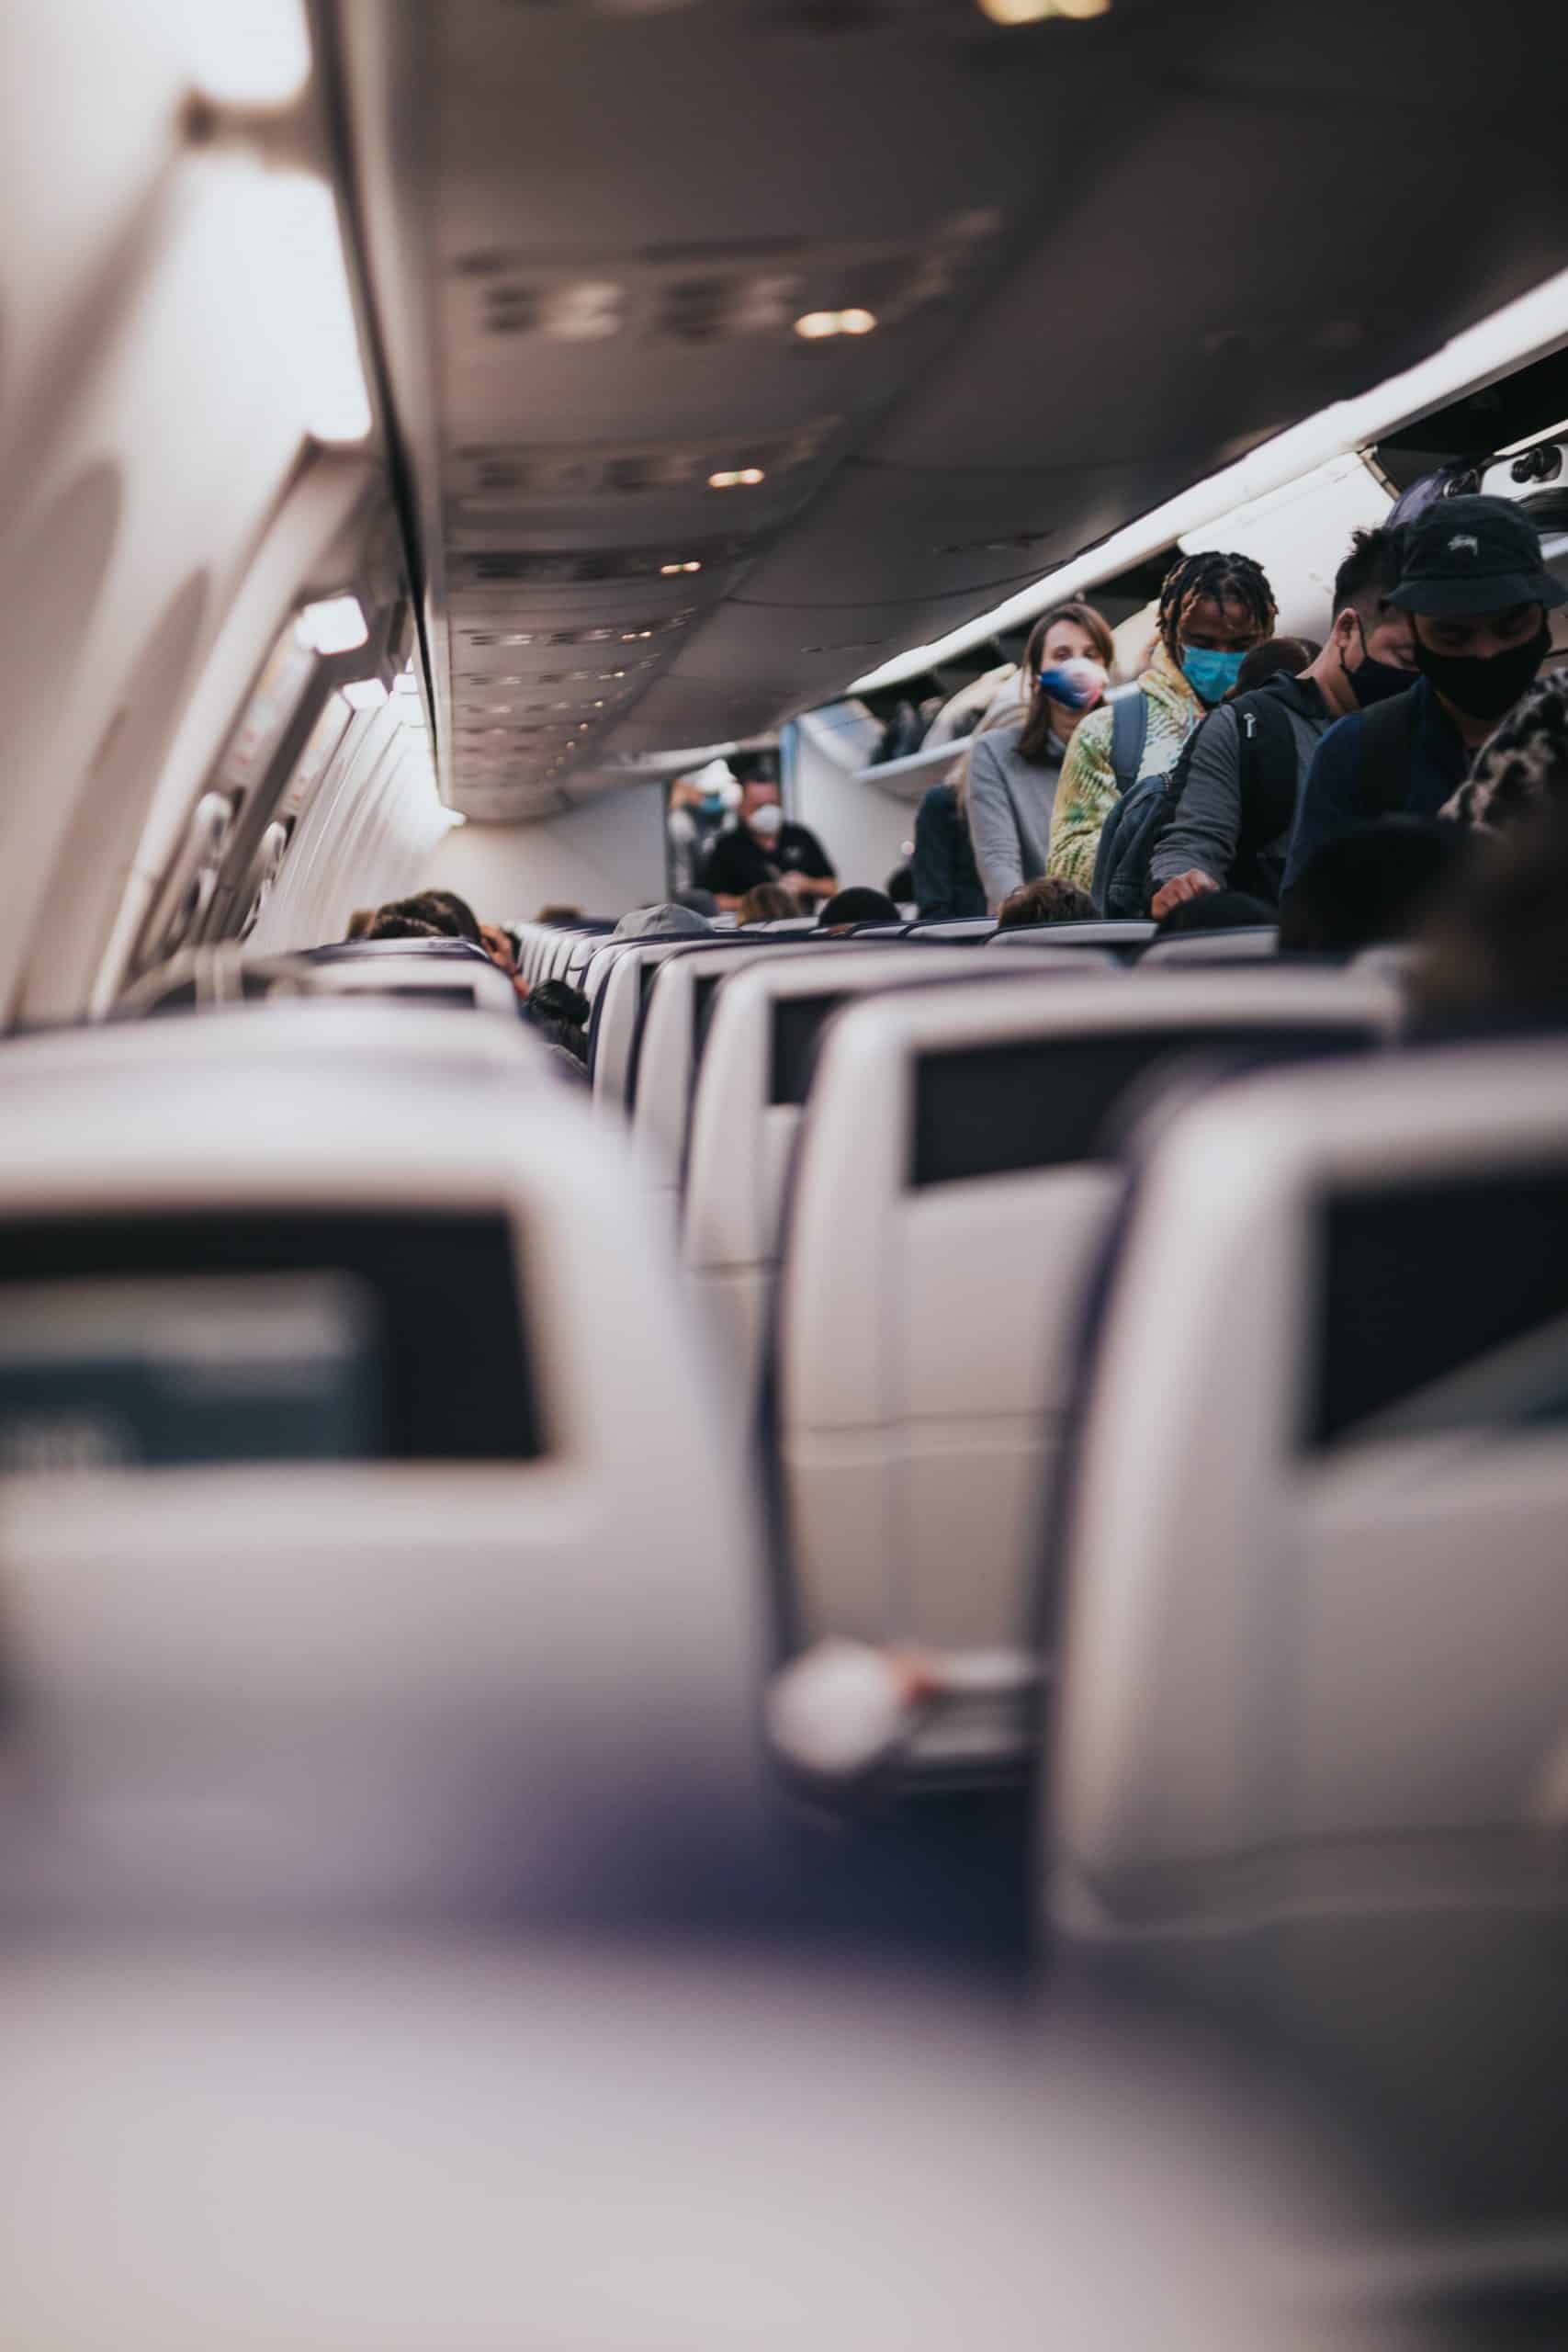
[(1311, 1751), (352, 1429), (1315, 1640), (672, 1024), (969, 930), (424, 975), (1123, 938), (955, 1181), (747, 1107), (624, 984), (1244, 943)]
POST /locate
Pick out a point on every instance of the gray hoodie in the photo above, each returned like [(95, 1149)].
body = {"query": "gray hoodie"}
[(1010, 802)]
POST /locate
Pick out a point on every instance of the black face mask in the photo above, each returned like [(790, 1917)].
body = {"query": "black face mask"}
[(1376, 681), (1484, 685)]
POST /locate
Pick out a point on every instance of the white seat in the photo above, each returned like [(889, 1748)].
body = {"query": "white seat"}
[(457, 981), (1310, 1755), (417, 1592), (348, 1029), (748, 1106), (1113, 934), (625, 979), (953, 1184), (1315, 1648), (665, 1052), (1245, 944), (972, 929)]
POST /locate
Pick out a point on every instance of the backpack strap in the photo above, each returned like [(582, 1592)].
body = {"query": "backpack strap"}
[(1270, 771), (1388, 744), (1129, 733)]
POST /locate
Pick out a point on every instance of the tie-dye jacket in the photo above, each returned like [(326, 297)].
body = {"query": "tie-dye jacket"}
[(1087, 789)]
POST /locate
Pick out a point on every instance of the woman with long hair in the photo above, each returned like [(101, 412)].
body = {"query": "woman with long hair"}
[(1007, 785)]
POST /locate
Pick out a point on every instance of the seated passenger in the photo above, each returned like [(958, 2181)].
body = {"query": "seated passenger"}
[(1246, 765), (943, 879), (856, 905), (359, 923), (1366, 888), (1009, 782), (497, 945), (1215, 910), (765, 847), (1046, 899), (391, 924), (443, 909), (559, 917), (769, 903), (1472, 579), (667, 920), (560, 1012), (1496, 943), (1213, 609), (1521, 765)]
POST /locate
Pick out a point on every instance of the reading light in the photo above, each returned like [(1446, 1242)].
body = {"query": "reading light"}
[(337, 625), (364, 694), (249, 52), (816, 326), (744, 477), (669, 570), (1031, 12)]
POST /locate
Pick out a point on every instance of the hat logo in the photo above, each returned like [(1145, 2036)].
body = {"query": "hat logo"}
[(1463, 540)]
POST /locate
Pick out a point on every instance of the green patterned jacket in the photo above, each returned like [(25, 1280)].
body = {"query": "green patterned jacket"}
[(1087, 789)]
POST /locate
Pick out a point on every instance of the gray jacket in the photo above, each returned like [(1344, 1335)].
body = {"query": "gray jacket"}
[(1206, 830), (1010, 802)]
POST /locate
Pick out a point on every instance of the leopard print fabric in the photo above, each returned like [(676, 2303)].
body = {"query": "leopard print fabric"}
[(1523, 762)]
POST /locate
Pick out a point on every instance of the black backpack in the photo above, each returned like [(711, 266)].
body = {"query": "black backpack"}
[(1144, 815)]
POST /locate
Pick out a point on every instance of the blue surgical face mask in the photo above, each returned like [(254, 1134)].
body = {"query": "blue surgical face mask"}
[(1076, 684), (1211, 675)]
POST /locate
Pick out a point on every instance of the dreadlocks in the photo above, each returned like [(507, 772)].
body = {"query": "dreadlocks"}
[(1229, 578)]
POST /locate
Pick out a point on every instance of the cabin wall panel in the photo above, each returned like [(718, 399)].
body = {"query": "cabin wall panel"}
[(603, 857)]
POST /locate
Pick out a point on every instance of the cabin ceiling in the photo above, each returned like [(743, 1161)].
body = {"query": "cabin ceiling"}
[(1104, 257)]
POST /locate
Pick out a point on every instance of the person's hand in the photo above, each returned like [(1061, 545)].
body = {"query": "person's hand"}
[(799, 885), (1194, 884)]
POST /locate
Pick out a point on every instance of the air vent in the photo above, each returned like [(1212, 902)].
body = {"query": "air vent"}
[(490, 477), (519, 568), (630, 633), (716, 293)]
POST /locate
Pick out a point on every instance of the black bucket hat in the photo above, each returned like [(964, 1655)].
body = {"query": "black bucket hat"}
[(1473, 555)]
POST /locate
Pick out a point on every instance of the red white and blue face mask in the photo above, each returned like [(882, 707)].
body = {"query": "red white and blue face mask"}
[(1076, 684)]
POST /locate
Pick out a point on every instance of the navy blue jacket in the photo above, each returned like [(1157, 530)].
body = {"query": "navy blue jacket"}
[(947, 881), (1332, 801)]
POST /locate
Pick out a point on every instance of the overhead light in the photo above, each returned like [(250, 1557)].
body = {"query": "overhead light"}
[(744, 477), (1032, 12), (364, 694), (669, 570), (337, 625), (248, 52), (816, 326)]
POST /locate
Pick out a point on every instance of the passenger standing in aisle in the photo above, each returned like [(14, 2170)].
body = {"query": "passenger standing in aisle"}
[(1248, 763), (1213, 609), (1013, 770), (1472, 579), (946, 879)]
